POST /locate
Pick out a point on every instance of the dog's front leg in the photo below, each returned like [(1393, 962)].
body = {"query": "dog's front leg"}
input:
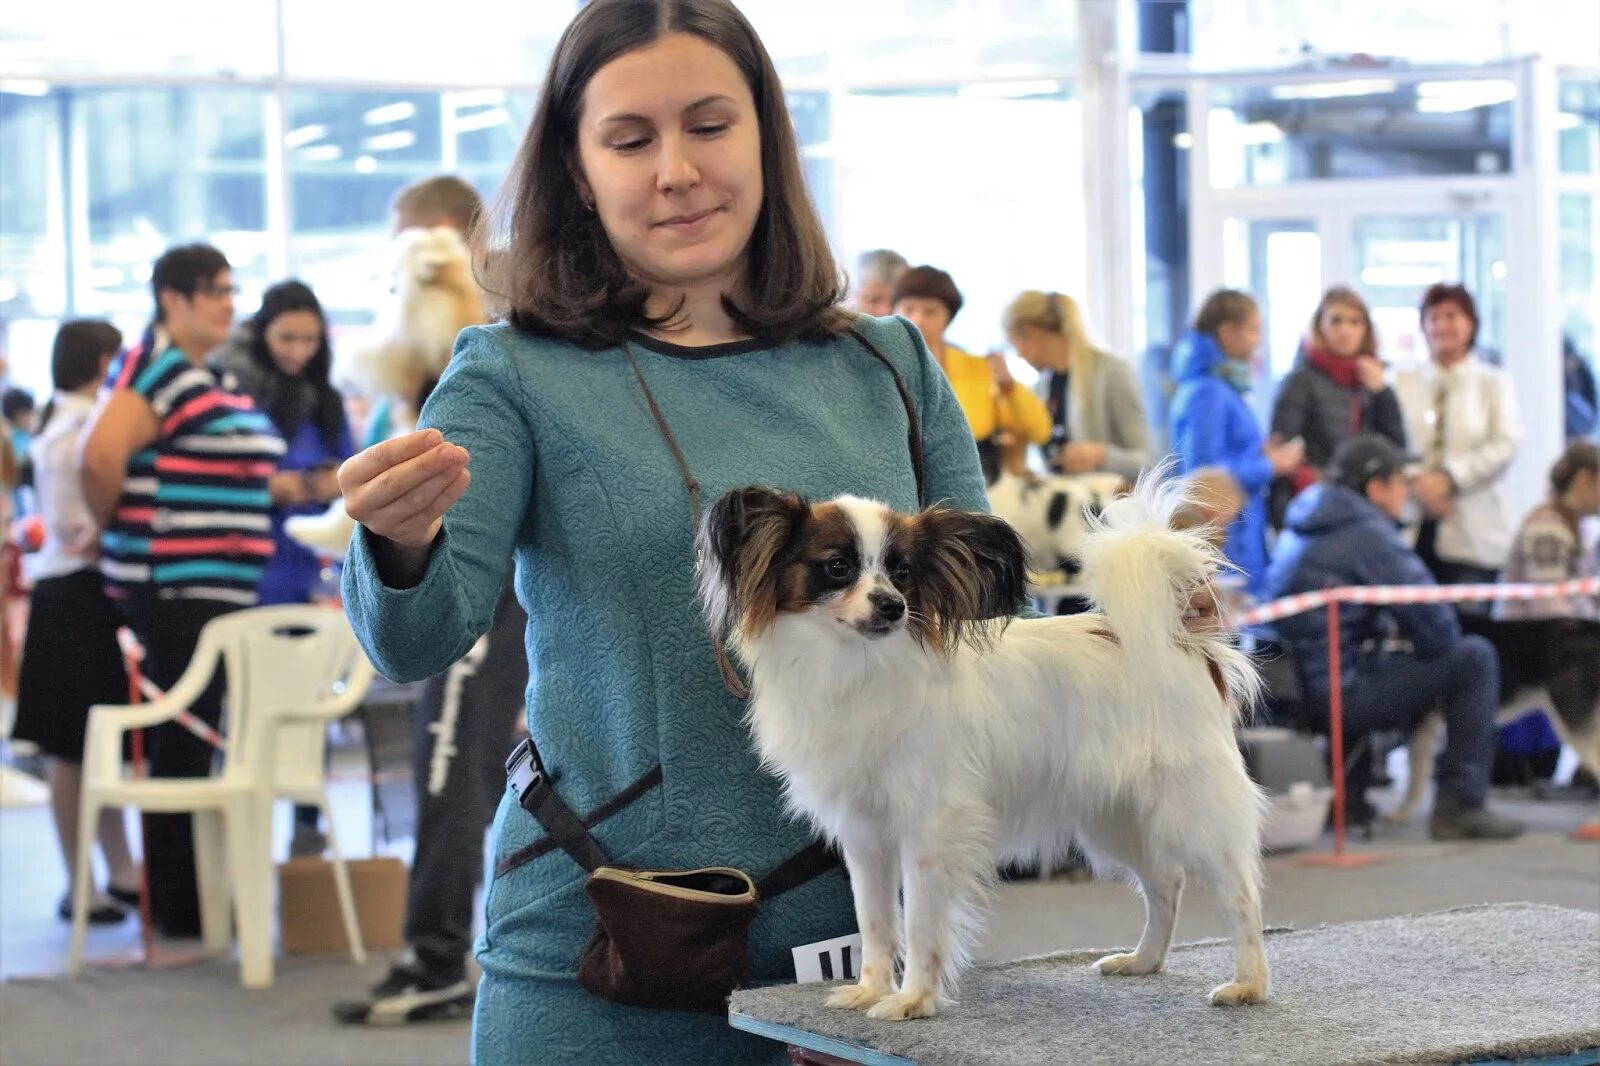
[(874, 868), (945, 872)]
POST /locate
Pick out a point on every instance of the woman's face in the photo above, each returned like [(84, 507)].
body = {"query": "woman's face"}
[(669, 154), (1030, 343), (1342, 328), (1239, 340), (928, 315), (1448, 329), (1584, 493), (293, 338)]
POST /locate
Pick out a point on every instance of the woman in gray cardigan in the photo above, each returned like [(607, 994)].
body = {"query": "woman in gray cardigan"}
[(1093, 397)]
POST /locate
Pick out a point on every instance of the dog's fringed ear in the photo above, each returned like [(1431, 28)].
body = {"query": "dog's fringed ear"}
[(969, 570), (738, 542)]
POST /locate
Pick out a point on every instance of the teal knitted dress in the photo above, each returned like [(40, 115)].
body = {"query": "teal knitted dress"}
[(570, 476)]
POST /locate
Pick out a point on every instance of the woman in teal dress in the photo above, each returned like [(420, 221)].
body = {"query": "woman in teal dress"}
[(657, 211)]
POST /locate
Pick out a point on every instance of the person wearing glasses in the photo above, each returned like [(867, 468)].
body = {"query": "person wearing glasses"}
[(176, 464)]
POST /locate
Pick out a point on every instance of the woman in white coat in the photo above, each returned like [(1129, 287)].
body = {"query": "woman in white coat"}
[(1462, 420)]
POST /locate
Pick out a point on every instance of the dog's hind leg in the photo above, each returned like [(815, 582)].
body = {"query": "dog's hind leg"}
[(947, 872), (1160, 882), (875, 883), (1236, 878)]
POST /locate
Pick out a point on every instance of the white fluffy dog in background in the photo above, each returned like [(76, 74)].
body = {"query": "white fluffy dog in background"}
[(932, 740), (434, 299)]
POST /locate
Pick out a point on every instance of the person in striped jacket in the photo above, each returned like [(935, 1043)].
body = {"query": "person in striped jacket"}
[(176, 463)]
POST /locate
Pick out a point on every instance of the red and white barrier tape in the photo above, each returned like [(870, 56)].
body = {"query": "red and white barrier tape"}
[(1390, 594), (133, 655)]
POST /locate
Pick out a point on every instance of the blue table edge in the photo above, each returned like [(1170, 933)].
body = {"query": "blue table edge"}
[(788, 1034)]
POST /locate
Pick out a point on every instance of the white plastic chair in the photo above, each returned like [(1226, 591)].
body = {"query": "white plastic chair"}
[(290, 671)]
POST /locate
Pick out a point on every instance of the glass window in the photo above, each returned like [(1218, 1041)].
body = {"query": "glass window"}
[(350, 151), (1279, 261), (1253, 32), (1399, 256), (470, 42), (33, 246), (1367, 127), (919, 172), (1580, 268), (165, 166), (64, 39), (1578, 126)]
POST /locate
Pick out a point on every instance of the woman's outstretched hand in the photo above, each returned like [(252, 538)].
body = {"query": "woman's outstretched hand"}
[(401, 488)]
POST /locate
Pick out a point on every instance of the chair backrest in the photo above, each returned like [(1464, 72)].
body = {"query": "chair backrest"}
[(283, 659)]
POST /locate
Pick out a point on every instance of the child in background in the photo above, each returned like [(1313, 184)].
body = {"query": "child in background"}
[(70, 659), (1212, 425)]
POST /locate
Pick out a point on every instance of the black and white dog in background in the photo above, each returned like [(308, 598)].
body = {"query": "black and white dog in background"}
[(1052, 513)]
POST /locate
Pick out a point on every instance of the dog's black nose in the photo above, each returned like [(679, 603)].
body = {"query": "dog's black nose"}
[(887, 605)]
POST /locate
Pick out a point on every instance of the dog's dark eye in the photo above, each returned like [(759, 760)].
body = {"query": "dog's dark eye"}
[(838, 569), (901, 573)]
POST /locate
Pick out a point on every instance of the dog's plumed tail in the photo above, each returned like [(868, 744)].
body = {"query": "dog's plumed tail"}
[(1141, 573)]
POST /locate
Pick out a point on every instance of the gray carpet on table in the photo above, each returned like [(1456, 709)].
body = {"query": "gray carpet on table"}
[(1487, 982)]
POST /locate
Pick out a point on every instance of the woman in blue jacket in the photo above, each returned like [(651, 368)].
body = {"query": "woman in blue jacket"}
[(1213, 426)]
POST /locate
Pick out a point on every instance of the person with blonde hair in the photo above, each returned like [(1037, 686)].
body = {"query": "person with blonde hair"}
[(1097, 415)]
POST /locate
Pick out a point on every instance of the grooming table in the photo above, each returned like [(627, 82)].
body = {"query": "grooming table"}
[(1478, 984)]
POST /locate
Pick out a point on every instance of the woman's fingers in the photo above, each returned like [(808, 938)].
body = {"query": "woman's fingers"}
[(396, 483), (420, 527), (366, 465), (427, 500)]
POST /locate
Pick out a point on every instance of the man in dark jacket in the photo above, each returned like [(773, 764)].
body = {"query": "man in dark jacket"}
[(1344, 531)]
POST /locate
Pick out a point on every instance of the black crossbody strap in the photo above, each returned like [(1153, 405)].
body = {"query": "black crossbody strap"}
[(813, 860)]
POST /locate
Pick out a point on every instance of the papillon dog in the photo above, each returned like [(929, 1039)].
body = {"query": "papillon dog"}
[(932, 736)]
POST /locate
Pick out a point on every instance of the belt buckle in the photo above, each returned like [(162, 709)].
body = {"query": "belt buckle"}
[(524, 771)]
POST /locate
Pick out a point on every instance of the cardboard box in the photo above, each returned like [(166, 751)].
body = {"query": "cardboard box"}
[(308, 906)]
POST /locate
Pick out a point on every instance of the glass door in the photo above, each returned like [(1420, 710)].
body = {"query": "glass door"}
[(1279, 262), (1395, 257)]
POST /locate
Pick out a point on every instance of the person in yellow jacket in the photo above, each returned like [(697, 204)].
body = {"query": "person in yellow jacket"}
[(1005, 418)]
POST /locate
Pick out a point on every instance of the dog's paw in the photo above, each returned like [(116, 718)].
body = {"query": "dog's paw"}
[(856, 997), (904, 1005), (1237, 993), (1126, 964)]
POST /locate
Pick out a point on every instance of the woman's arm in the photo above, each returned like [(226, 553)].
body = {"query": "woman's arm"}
[(121, 426), (1024, 414), (1383, 416), (418, 609), (1291, 408)]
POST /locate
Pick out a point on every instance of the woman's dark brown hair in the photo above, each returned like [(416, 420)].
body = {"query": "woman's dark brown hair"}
[(1581, 455), (1222, 306), (551, 265), (929, 283), (1440, 293)]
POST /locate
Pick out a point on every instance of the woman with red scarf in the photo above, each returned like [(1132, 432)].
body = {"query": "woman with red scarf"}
[(1335, 393)]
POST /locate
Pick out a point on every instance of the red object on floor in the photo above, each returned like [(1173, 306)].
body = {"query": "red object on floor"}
[(1587, 831)]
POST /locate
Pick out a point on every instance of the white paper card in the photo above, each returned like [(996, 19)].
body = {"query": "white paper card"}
[(838, 959)]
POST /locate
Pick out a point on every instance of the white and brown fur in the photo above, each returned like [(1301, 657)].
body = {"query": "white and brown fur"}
[(1545, 664), (931, 736)]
